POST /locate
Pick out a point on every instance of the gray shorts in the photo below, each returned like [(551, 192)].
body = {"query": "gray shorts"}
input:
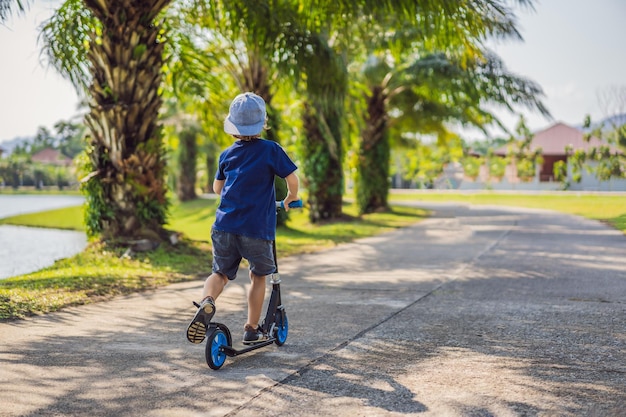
[(229, 249)]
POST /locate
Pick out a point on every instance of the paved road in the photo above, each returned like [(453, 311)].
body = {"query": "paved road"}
[(474, 312), (29, 249)]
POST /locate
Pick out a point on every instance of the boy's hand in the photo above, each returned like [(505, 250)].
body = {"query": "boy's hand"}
[(288, 200)]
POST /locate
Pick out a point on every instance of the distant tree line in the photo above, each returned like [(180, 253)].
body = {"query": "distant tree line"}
[(19, 170)]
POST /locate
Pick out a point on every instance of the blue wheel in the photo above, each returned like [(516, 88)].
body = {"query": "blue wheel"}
[(282, 327), (215, 357)]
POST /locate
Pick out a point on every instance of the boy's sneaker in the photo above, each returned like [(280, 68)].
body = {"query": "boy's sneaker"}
[(252, 335), (196, 331)]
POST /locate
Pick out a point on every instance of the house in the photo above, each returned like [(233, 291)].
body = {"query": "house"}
[(51, 157), (554, 142)]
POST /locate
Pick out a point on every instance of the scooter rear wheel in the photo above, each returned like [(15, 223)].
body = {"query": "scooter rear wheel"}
[(215, 357), (282, 327)]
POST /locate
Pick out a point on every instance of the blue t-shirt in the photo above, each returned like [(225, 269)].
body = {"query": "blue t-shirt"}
[(248, 200)]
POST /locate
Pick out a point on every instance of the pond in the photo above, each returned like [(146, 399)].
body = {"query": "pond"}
[(29, 249)]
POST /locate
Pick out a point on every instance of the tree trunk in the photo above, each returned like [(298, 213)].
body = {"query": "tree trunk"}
[(322, 165), (326, 84), (126, 192), (372, 180), (187, 156), (211, 166)]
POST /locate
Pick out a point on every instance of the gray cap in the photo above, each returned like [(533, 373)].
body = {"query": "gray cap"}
[(246, 116)]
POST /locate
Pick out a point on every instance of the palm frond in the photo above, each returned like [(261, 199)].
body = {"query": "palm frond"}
[(9, 7), (65, 37)]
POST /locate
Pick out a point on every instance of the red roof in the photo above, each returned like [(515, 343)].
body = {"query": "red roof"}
[(51, 156), (555, 139)]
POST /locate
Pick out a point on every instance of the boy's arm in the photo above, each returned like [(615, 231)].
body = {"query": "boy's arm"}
[(217, 186), (293, 183)]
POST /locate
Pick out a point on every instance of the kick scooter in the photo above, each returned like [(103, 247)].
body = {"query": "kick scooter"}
[(275, 325)]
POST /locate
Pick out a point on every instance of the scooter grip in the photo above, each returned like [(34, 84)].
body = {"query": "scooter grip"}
[(293, 204)]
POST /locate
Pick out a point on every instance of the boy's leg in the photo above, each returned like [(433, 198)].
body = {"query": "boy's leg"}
[(256, 296), (259, 254), (213, 287)]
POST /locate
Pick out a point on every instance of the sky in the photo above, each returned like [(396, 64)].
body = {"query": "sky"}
[(574, 49)]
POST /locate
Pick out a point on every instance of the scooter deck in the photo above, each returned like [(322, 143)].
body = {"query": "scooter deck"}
[(231, 351)]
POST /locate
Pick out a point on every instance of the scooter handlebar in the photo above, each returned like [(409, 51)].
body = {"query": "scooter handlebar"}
[(293, 204)]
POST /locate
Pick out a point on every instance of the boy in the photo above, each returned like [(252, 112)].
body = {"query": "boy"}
[(245, 220)]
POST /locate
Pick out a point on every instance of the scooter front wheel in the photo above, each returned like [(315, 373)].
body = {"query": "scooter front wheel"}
[(215, 356), (282, 327)]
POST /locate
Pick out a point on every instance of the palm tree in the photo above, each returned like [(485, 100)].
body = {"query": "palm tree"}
[(126, 152), (273, 42), (327, 48), (257, 44), (121, 70), (427, 89), (322, 120), (239, 39), (424, 96)]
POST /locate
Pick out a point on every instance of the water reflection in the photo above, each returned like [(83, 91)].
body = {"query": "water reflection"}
[(29, 249)]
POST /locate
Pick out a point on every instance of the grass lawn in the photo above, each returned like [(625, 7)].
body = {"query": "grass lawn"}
[(99, 273), (70, 218), (606, 208)]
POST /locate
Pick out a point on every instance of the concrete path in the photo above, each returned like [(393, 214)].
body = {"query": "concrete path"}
[(473, 312)]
